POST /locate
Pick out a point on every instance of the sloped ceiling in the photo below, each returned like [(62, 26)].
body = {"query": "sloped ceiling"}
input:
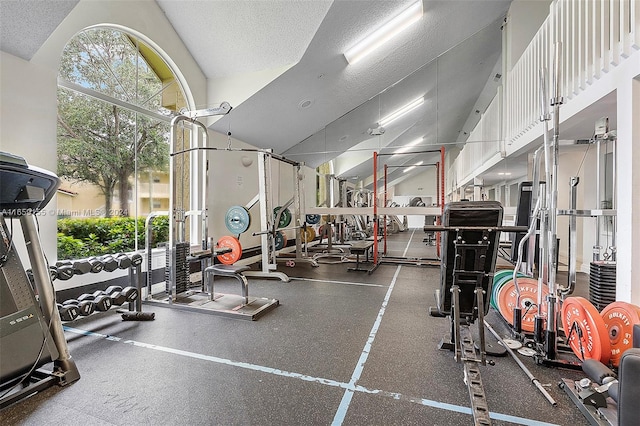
[(448, 56)]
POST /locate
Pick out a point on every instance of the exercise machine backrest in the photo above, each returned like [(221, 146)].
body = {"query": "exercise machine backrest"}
[(468, 213)]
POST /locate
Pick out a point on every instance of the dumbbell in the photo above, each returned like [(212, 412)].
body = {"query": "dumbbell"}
[(124, 262), (110, 264), (85, 307), (114, 292), (96, 264), (68, 312), (101, 301), (136, 259), (81, 267), (64, 271), (31, 278)]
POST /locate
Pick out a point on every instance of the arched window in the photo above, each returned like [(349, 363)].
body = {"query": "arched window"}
[(116, 96)]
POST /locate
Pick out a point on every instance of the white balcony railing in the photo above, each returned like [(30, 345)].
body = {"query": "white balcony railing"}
[(596, 35)]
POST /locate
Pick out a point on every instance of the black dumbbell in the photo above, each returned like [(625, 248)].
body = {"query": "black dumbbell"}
[(101, 301), (64, 272), (130, 293), (63, 262), (116, 295), (110, 264), (31, 278), (85, 307), (136, 259), (68, 312), (96, 264), (81, 267), (124, 262), (53, 272)]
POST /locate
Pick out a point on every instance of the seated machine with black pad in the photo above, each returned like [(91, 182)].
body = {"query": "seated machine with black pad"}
[(471, 233), (606, 398)]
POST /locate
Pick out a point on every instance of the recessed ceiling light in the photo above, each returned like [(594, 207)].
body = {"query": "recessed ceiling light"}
[(305, 103)]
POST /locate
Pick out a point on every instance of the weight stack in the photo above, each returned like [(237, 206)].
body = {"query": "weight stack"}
[(182, 268), (602, 283)]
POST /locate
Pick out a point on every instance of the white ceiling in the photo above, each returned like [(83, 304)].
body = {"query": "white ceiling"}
[(449, 56)]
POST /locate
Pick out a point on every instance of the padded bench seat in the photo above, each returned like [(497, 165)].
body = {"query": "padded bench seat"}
[(358, 248), (235, 271)]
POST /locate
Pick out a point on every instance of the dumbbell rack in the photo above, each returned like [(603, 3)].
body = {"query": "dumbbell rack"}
[(100, 301)]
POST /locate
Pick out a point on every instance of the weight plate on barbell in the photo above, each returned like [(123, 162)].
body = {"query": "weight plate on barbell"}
[(236, 249), (285, 217), (508, 296), (307, 234), (585, 329), (313, 219), (619, 319), (237, 219), (499, 280), (280, 240)]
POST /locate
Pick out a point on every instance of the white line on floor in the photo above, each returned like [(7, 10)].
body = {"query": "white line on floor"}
[(328, 382), (348, 393), (338, 282)]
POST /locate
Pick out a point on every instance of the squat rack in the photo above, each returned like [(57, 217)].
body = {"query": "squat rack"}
[(440, 189)]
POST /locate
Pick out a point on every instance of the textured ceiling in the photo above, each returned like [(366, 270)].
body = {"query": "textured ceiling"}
[(231, 37), (27, 24)]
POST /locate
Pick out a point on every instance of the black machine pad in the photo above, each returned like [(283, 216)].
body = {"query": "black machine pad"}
[(468, 214)]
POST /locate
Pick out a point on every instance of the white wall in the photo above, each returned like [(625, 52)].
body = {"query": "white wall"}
[(423, 184)]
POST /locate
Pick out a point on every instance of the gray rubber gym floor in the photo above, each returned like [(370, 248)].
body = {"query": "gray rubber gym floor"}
[(342, 348)]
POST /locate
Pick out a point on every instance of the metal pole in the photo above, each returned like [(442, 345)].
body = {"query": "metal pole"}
[(375, 208), (535, 381), (597, 248), (385, 216), (47, 297)]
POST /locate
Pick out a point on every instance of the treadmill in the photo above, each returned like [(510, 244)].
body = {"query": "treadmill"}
[(31, 334)]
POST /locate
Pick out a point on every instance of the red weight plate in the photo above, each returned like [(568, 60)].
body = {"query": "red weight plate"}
[(619, 318), (507, 297), (593, 343), (236, 250)]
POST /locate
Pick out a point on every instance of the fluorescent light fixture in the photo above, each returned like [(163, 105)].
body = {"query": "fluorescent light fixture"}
[(385, 33), (412, 167), (401, 112), (408, 146)]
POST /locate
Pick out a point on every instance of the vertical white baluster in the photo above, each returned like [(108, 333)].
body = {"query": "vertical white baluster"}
[(634, 13), (625, 28), (605, 34), (614, 27), (581, 10)]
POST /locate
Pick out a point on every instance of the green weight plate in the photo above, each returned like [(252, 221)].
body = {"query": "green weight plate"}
[(279, 240), (502, 278), (285, 217), (237, 219), (313, 219)]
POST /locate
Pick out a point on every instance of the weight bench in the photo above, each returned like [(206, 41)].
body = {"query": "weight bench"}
[(469, 250), (235, 271), (358, 248)]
